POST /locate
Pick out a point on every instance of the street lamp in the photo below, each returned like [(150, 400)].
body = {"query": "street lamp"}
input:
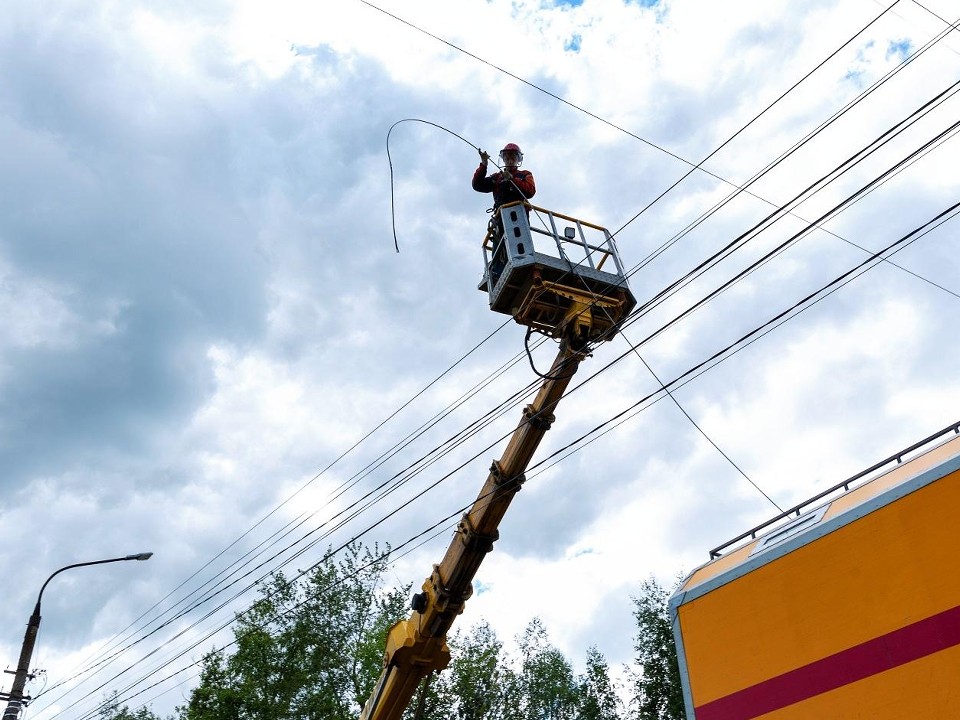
[(15, 697)]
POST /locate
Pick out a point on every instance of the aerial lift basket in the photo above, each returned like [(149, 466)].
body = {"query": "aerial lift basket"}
[(556, 284)]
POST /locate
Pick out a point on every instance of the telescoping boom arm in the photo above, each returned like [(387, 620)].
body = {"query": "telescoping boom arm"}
[(417, 646), (533, 275)]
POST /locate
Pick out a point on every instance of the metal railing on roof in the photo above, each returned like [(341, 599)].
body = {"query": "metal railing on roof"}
[(844, 486)]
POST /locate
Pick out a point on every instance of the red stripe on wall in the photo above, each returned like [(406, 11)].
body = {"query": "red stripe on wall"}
[(899, 647)]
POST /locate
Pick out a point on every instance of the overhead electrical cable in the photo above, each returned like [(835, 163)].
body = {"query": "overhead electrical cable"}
[(949, 132), (869, 149), (300, 520), (711, 361), (736, 192), (707, 437), (299, 553), (351, 511), (812, 298), (790, 151), (834, 174), (838, 171), (931, 12), (746, 271), (391, 552), (346, 453), (693, 166), (836, 115), (786, 243), (700, 303), (554, 95), (613, 324), (738, 188), (301, 573), (531, 385), (906, 162)]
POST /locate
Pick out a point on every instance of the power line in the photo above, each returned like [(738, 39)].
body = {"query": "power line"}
[(772, 323), (697, 369), (767, 221), (303, 517), (941, 217), (736, 192), (628, 133), (414, 498), (836, 115)]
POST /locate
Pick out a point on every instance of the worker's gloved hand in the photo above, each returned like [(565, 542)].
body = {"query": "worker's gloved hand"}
[(484, 156)]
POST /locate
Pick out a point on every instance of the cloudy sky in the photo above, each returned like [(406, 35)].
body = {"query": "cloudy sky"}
[(209, 347)]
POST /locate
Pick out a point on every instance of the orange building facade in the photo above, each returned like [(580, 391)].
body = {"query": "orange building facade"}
[(849, 609)]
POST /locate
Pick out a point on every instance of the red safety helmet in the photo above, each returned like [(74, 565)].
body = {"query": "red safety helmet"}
[(512, 147)]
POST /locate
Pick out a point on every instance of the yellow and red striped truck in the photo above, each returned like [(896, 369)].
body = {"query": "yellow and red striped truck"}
[(845, 609)]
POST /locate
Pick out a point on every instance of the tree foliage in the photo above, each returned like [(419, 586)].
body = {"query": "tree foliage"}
[(536, 682), (312, 650), (599, 697), (309, 649), (477, 674), (544, 686), (657, 694), (111, 709)]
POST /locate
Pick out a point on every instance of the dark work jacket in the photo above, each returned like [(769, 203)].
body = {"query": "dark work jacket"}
[(505, 188)]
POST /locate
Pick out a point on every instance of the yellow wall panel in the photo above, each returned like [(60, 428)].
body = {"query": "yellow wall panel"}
[(879, 573), (925, 688)]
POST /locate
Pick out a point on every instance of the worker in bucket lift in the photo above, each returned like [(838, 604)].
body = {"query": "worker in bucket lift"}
[(508, 185)]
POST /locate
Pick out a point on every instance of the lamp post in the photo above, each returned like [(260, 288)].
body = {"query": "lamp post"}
[(15, 696)]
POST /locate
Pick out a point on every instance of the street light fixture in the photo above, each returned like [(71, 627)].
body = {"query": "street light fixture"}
[(15, 698)]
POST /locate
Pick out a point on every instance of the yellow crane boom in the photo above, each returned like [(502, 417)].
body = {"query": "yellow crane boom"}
[(542, 287), (416, 646)]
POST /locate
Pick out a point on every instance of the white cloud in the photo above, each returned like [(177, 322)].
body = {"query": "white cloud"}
[(203, 308)]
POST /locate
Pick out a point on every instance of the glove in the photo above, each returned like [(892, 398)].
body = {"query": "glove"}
[(484, 156)]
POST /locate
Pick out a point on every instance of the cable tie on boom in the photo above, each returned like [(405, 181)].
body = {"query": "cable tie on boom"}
[(503, 482), (539, 420), (473, 540)]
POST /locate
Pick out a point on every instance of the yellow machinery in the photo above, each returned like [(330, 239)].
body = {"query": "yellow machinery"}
[(562, 296)]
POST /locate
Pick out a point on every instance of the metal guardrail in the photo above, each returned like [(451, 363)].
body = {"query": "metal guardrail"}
[(577, 234), (578, 239), (845, 486)]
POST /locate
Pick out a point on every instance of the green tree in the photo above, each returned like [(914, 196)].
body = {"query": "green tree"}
[(657, 693), (477, 676), (438, 702), (110, 710), (598, 692), (472, 685), (308, 649), (544, 687)]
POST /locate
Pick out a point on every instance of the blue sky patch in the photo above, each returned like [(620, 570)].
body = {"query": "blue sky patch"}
[(901, 49), (854, 76), (569, 3), (573, 44)]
